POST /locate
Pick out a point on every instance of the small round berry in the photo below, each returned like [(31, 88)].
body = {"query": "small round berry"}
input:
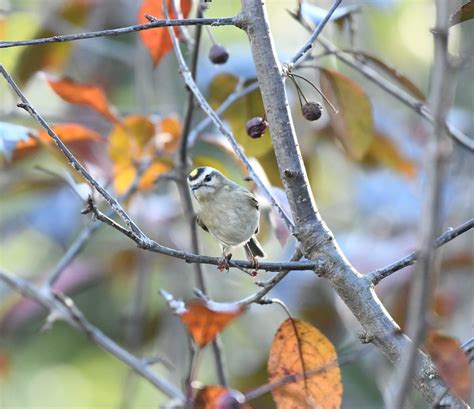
[(312, 111), (256, 127), (218, 54)]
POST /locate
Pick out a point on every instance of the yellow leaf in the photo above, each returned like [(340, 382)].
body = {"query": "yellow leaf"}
[(129, 140), (301, 351), (124, 175)]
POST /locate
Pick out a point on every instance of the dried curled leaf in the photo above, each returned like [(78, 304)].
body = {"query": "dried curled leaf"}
[(205, 320), (353, 125), (83, 94), (158, 41), (464, 13), (219, 397), (305, 362), (451, 361)]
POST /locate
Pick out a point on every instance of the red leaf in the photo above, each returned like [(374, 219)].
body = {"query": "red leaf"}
[(158, 40), (82, 94)]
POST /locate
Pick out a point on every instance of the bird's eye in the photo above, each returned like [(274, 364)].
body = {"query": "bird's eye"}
[(208, 178)]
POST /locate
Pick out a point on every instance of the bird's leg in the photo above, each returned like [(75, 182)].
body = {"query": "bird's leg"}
[(254, 268), (224, 262)]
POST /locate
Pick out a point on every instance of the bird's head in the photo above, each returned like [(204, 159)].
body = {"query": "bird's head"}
[(205, 181)]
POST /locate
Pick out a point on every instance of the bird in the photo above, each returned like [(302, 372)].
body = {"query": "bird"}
[(230, 213)]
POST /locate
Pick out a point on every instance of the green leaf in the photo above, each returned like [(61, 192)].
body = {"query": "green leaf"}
[(392, 72), (240, 112), (352, 124), (464, 13)]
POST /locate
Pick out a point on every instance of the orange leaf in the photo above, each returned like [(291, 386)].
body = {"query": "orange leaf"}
[(205, 320), (5, 365), (170, 133), (82, 94), (451, 361), (218, 397), (158, 40), (67, 132), (300, 350), (150, 175)]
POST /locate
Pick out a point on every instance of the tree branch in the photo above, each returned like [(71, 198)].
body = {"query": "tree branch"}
[(64, 309), (182, 170), (315, 238), (223, 21), (395, 91), (442, 92), (378, 275), (73, 162), (309, 44)]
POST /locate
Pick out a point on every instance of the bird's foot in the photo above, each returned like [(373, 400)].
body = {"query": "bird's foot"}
[(223, 264)]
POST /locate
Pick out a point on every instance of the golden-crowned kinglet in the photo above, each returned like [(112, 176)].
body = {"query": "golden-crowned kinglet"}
[(227, 211)]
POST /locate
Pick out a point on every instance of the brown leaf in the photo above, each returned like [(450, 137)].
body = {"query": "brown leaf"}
[(451, 361), (205, 321), (383, 151), (158, 40), (82, 94), (464, 13), (299, 349), (404, 81), (352, 125), (218, 397)]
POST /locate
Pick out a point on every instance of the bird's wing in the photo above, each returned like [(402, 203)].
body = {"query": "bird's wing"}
[(201, 224), (251, 198)]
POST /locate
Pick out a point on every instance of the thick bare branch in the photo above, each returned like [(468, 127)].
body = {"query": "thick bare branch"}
[(224, 21), (315, 238), (66, 311)]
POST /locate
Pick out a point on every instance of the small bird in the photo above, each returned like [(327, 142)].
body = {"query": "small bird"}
[(227, 211)]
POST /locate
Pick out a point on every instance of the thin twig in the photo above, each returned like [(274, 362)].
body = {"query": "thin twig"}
[(437, 153), (309, 43), (73, 162), (270, 284), (378, 275), (66, 311), (182, 164), (223, 21), (238, 93), (186, 74)]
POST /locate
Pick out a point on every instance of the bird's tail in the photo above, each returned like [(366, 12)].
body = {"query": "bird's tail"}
[(254, 249)]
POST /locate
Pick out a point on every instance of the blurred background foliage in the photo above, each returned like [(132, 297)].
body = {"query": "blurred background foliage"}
[(368, 192)]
